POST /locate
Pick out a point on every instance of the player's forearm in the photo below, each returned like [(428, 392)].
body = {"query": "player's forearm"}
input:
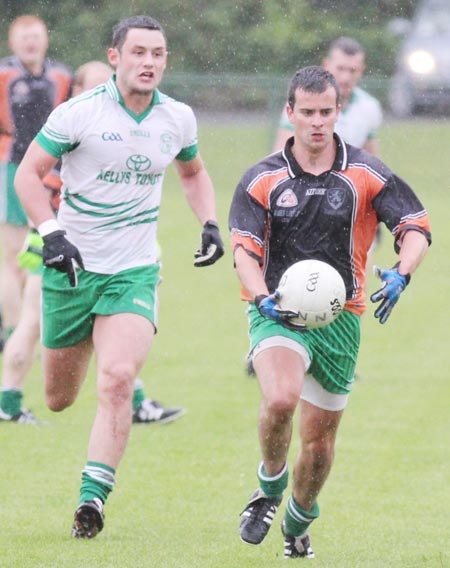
[(199, 193), (249, 273), (33, 196), (34, 167), (413, 249)]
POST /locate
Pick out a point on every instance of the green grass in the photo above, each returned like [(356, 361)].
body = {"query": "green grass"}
[(181, 487)]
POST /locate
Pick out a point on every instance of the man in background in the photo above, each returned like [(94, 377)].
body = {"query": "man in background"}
[(31, 86)]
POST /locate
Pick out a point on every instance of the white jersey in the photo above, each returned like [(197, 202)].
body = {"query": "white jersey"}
[(113, 165), (357, 123)]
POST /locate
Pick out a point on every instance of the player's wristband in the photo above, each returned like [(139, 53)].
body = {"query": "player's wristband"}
[(260, 298), (407, 276), (47, 227)]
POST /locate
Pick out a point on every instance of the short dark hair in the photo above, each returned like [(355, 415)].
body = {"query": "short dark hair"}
[(121, 29), (312, 79), (347, 45)]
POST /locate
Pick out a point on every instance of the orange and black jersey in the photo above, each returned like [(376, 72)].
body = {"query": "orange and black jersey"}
[(26, 101), (281, 214)]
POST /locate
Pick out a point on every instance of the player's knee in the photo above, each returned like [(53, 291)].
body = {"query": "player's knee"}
[(59, 401), (321, 450), (282, 404), (115, 385), (15, 359)]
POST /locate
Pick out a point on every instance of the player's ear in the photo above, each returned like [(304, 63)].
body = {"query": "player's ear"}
[(290, 113), (113, 56)]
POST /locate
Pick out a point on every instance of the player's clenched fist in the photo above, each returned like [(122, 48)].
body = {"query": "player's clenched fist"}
[(61, 254), (211, 247)]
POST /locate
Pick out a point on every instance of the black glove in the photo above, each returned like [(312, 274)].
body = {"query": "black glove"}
[(62, 255), (211, 248)]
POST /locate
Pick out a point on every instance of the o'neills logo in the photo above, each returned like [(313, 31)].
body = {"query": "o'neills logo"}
[(287, 199)]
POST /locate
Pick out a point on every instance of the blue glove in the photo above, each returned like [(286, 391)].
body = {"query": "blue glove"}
[(269, 308), (393, 285)]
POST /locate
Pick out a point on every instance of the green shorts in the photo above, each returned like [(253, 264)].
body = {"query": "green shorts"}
[(69, 313), (11, 210), (330, 352)]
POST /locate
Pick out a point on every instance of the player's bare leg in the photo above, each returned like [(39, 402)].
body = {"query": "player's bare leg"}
[(19, 352), (64, 372), (318, 430), (12, 276), (280, 373), (122, 343)]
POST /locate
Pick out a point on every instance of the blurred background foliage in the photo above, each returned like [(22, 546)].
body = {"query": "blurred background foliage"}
[(237, 36)]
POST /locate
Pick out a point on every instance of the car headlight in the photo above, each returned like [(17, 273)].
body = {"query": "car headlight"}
[(421, 62)]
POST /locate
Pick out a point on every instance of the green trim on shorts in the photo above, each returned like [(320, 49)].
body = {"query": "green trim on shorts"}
[(333, 349), (69, 313), (11, 210)]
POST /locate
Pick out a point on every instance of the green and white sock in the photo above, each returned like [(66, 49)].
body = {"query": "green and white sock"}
[(97, 480), (296, 519), (11, 401), (273, 486), (138, 393)]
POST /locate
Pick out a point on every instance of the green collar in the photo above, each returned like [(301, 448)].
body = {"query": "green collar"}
[(114, 93)]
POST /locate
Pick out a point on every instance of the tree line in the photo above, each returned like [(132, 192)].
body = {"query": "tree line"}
[(233, 36)]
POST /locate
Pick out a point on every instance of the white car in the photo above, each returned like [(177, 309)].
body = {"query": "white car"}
[(422, 79)]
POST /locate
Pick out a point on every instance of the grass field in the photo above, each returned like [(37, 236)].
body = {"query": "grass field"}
[(181, 487)]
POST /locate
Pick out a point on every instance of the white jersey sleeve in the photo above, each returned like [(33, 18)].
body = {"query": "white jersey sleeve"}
[(190, 136), (57, 135)]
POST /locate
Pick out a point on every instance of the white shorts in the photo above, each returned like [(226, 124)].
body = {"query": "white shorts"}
[(312, 391)]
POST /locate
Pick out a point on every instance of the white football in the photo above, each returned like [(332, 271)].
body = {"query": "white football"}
[(315, 290)]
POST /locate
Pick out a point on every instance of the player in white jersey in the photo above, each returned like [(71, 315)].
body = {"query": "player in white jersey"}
[(19, 351), (115, 143), (361, 115), (125, 153)]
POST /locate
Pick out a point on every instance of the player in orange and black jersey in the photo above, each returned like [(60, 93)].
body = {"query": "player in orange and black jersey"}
[(319, 198), (31, 86), (282, 214), (26, 101)]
